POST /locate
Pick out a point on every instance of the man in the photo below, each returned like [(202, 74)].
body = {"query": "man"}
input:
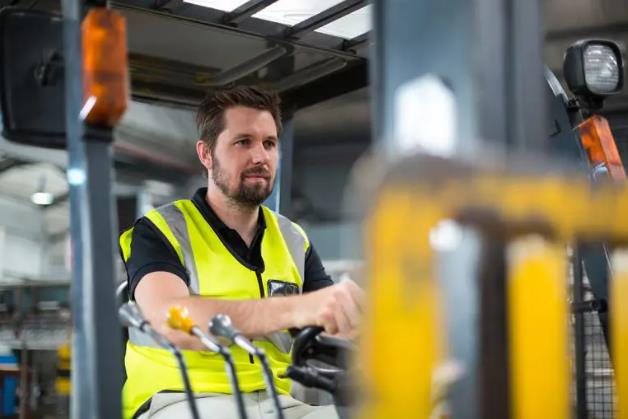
[(223, 252)]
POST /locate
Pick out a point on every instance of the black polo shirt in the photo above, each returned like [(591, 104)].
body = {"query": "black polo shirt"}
[(152, 252)]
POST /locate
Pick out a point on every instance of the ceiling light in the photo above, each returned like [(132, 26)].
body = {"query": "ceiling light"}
[(42, 198), (224, 5)]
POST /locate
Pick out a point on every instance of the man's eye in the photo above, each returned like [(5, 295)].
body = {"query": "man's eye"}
[(243, 141), (270, 144)]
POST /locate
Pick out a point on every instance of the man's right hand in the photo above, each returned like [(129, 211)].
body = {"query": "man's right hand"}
[(337, 309)]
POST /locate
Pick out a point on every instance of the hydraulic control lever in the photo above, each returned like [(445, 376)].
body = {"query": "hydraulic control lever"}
[(131, 316), (220, 326), (179, 319)]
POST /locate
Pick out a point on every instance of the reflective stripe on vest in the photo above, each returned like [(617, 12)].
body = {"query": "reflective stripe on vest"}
[(175, 220), (215, 273), (296, 240)]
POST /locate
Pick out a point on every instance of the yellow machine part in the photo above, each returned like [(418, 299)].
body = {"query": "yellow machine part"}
[(403, 343), (538, 329), (403, 339), (63, 386), (619, 328)]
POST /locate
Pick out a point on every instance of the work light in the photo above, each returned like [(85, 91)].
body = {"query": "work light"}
[(593, 70)]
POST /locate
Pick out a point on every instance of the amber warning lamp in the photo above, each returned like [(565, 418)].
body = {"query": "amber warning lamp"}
[(105, 67), (598, 142)]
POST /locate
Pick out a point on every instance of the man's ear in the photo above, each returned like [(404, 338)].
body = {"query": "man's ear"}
[(202, 151)]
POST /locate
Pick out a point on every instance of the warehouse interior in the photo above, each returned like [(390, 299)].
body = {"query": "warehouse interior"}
[(177, 51)]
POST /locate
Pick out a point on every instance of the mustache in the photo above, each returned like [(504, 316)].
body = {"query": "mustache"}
[(256, 171)]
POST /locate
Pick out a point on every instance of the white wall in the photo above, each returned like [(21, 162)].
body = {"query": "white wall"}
[(55, 263), (23, 238)]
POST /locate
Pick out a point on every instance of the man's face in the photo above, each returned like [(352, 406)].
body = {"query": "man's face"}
[(244, 159)]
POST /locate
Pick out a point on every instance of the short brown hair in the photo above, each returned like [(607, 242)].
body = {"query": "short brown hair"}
[(210, 117)]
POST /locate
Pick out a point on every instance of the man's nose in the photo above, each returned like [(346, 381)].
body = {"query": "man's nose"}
[(259, 154)]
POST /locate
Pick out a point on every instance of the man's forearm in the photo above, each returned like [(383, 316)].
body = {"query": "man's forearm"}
[(253, 318), (335, 308)]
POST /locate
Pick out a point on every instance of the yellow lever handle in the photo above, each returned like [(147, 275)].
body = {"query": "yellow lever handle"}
[(179, 319)]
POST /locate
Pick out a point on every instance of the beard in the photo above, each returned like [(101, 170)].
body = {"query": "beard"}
[(249, 195)]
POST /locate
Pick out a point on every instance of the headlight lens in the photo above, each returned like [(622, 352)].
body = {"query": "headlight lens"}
[(601, 70)]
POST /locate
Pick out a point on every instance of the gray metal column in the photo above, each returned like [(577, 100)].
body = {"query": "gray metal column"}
[(415, 38), (280, 199), (488, 52), (97, 343), (287, 154), (528, 120), (456, 78), (428, 44)]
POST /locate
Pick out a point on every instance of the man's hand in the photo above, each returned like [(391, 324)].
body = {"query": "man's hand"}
[(337, 309)]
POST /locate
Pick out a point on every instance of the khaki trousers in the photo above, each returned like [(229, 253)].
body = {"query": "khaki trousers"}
[(258, 405)]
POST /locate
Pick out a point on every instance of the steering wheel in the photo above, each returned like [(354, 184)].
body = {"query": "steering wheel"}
[(311, 347), (311, 344)]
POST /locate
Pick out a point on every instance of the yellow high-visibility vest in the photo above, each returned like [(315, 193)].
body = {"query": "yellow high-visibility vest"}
[(215, 273)]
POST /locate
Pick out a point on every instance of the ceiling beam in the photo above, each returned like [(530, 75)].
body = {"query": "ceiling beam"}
[(247, 67), (310, 73), (348, 79), (613, 29)]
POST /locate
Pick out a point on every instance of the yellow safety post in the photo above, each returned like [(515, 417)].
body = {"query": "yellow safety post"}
[(62, 383), (538, 329), (619, 328), (403, 342)]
